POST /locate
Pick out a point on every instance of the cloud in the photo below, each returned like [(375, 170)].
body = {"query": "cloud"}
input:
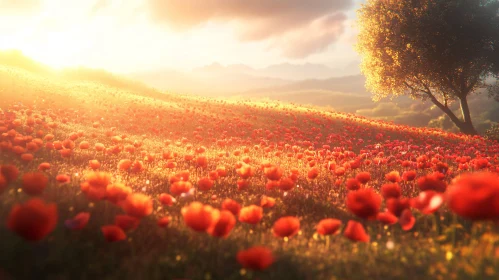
[(297, 27), (318, 35), (414, 114), (388, 109), (99, 5), (19, 7)]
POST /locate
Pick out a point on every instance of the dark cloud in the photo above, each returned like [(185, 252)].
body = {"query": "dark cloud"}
[(297, 27)]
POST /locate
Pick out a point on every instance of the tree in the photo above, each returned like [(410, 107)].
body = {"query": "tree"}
[(437, 50)]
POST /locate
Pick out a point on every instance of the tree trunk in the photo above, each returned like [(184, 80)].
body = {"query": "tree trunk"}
[(466, 126)]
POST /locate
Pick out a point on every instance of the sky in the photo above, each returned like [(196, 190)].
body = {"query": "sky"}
[(126, 36)]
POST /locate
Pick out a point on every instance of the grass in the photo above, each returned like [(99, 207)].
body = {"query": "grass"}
[(456, 249)]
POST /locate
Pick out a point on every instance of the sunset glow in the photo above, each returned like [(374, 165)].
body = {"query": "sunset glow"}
[(127, 36), (249, 139)]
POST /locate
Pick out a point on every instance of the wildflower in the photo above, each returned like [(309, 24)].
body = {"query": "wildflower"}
[(255, 258), (113, 233), (328, 226), (475, 196), (286, 226), (32, 220), (356, 232), (251, 214), (78, 222), (137, 205), (364, 203), (34, 183)]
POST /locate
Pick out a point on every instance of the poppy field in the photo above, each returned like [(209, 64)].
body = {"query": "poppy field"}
[(101, 181)]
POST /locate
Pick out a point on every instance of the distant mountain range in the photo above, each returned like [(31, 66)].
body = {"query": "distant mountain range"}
[(313, 84), (284, 71), (310, 84), (216, 79)]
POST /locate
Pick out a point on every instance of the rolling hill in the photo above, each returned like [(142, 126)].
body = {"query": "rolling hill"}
[(128, 182)]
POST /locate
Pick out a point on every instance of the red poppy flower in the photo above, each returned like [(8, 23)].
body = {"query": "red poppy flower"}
[(94, 164), (286, 184), (273, 173), (222, 172), (9, 172), (197, 216), (340, 171), (166, 199), (92, 193), (397, 205), (255, 258), (34, 183), (163, 222), (232, 206), (475, 196), (124, 164), (78, 222), (409, 175), (267, 202), (251, 214), (180, 187), (126, 222), (32, 220), (98, 180), (242, 184), (44, 166), (364, 203), (352, 184), (313, 173), (117, 192), (387, 218), (355, 231), (428, 202), (137, 205), (137, 166), (3, 183), (222, 226), (391, 191), (431, 182), (363, 177), (62, 178), (65, 153), (328, 226), (213, 175), (270, 185), (26, 158), (407, 220), (205, 184), (202, 161), (286, 226), (113, 233), (245, 171), (84, 145), (393, 176)]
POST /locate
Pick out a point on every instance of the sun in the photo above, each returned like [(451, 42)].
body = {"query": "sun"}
[(55, 49)]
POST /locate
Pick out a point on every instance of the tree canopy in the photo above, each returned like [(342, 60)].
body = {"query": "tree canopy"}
[(437, 50)]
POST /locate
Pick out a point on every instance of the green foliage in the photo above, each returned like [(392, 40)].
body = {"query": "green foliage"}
[(441, 50), (493, 132)]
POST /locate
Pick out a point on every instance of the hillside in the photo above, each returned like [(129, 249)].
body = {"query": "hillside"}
[(142, 184), (341, 93)]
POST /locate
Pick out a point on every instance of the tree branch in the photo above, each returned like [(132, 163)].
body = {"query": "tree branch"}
[(451, 85), (439, 104), (472, 84)]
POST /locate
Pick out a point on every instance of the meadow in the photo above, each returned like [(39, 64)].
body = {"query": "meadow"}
[(109, 181)]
